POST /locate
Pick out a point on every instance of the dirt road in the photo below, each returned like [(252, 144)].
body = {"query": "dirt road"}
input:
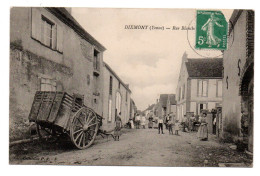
[(143, 147)]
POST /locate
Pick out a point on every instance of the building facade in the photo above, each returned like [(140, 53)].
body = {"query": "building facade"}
[(199, 85), (116, 98), (171, 105), (50, 51), (166, 104), (238, 80)]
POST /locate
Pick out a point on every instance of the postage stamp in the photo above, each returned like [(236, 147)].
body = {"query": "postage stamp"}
[(211, 30)]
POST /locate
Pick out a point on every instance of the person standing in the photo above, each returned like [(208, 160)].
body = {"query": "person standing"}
[(192, 120), (203, 129), (170, 124), (166, 121), (138, 119), (160, 125), (150, 124), (177, 127), (143, 119), (118, 126), (184, 123), (132, 123)]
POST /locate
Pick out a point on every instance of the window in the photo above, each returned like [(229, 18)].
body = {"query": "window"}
[(46, 31), (202, 88), (126, 96), (119, 85), (110, 110), (219, 88), (48, 84), (110, 85), (118, 102), (96, 60)]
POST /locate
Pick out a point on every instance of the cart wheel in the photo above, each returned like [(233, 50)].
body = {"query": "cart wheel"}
[(84, 128)]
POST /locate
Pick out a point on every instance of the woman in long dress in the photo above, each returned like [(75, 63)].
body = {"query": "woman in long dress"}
[(212, 39), (118, 127), (203, 129)]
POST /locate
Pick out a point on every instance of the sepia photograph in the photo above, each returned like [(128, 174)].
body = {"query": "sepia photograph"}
[(168, 87)]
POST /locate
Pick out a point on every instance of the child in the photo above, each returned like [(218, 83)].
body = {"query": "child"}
[(176, 127), (170, 124), (118, 126)]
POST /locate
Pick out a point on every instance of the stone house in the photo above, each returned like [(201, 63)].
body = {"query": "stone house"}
[(116, 98), (171, 105), (50, 51), (149, 110), (162, 105), (199, 85), (238, 79), (166, 104)]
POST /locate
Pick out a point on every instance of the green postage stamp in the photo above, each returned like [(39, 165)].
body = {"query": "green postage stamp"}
[(211, 30)]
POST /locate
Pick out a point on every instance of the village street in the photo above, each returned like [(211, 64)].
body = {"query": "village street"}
[(137, 147)]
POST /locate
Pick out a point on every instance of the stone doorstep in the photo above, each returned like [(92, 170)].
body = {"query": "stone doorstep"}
[(232, 165)]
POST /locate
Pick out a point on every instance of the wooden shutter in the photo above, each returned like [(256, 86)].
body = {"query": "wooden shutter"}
[(110, 110), (205, 88), (200, 88), (36, 24), (59, 38), (54, 37)]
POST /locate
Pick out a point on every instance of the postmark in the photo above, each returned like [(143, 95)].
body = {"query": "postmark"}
[(211, 30)]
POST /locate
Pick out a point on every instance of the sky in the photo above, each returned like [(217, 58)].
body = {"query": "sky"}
[(148, 60)]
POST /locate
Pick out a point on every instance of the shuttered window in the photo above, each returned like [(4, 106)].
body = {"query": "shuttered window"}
[(110, 110), (219, 88), (202, 88), (110, 85), (59, 38), (46, 31)]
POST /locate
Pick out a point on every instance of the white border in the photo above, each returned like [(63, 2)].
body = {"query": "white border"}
[(6, 169)]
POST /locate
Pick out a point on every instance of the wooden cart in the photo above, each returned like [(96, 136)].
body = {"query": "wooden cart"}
[(58, 113)]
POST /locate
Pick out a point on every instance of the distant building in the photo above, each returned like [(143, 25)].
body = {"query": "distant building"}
[(199, 85), (50, 51), (149, 110), (171, 105), (116, 98), (165, 105), (238, 80)]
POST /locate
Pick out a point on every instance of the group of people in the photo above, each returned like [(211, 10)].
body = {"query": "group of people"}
[(186, 123), (170, 122), (139, 121), (189, 123)]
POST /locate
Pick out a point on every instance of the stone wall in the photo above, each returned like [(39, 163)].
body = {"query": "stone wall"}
[(30, 61), (234, 60)]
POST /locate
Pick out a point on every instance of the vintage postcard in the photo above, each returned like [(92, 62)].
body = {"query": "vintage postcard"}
[(131, 87)]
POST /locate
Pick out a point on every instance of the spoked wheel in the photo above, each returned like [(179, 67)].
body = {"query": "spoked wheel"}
[(84, 128), (46, 133)]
